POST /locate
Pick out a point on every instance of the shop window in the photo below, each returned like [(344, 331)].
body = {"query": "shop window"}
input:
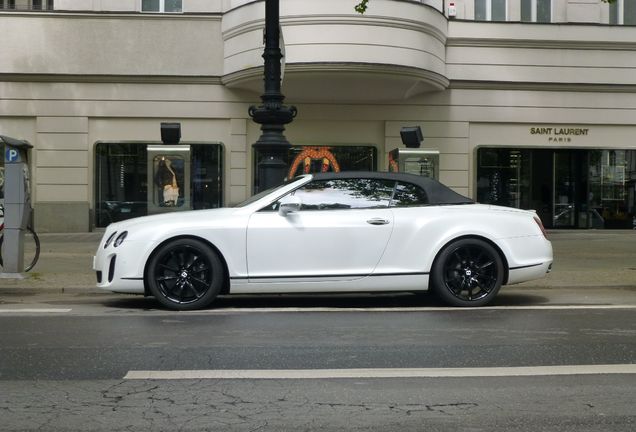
[(568, 188), (26, 4), (312, 159), (490, 10), (536, 11), (137, 179), (2, 175), (173, 6), (501, 176)]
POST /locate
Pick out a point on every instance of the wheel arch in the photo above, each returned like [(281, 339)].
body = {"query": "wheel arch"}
[(502, 255), (226, 273)]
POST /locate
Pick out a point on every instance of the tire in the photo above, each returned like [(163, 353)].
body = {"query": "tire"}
[(185, 274), (467, 272)]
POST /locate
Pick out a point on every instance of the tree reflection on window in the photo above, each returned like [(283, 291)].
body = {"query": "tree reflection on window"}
[(346, 194), (409, 195)]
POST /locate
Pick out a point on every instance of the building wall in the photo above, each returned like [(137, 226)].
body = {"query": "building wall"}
[(129, 72)]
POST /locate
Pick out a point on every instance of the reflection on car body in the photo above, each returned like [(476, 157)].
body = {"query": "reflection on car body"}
[(331, 232)]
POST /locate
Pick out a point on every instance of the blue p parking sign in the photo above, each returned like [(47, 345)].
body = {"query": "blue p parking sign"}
[(11, 155)]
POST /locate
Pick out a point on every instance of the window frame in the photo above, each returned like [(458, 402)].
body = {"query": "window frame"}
[(489, 8), (617, 11), (534, 5), (162, 8)]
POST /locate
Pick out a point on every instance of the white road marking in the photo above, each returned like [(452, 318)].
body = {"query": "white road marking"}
[(383, 373), (38, 310), (406, 309)]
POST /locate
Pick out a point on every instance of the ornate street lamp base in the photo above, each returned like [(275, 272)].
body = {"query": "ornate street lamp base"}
[(272, 119)]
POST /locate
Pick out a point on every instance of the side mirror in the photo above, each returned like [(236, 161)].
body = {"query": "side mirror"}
[(289, 204)]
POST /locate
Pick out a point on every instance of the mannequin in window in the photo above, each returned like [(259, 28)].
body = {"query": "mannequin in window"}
[(166, 179)]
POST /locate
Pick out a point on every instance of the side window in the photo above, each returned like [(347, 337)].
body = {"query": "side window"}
[(345, 194), (409, 195)]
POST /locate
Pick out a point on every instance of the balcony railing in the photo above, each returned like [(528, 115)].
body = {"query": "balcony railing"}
[(26, 5)]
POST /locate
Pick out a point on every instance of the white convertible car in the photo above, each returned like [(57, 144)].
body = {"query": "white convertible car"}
[(345, 232)]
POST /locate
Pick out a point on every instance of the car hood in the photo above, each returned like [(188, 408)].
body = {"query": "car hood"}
[(188, 218)]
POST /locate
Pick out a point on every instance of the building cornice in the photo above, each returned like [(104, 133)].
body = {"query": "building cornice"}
[(541, 44), (202, 16), (532, 86), (111, 79), (342, 20), (438, 81)]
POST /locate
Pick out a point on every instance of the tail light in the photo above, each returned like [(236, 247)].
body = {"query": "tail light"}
[(537, 219)]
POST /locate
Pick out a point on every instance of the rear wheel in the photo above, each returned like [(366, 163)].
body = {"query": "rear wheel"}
[(185, 274), (467, 272)]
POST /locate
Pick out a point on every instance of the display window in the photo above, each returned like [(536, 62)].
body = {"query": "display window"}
[(314, 159), (568, 188), (138, 179), (2, 174)]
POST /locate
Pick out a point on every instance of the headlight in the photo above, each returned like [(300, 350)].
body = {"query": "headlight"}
[(110, 240), (120, 238)]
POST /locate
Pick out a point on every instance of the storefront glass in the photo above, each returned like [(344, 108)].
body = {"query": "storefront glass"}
[(568, 188), (137, 179), (312, 159), (2, 174)]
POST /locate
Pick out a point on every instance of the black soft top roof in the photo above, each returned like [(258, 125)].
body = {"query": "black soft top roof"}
[(436, 191)]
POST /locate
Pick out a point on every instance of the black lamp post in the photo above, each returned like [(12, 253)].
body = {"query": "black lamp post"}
[(272, 147)]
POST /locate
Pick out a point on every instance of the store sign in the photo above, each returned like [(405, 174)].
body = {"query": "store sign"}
[(559, 134)]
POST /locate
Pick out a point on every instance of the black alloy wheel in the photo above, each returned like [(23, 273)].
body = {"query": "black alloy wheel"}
[(467, 272), (185, 274)]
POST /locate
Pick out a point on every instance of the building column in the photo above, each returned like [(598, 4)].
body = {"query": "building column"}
[(61, 163)]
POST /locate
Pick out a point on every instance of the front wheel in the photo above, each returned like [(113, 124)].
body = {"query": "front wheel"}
[(185, 274), (467, 272)]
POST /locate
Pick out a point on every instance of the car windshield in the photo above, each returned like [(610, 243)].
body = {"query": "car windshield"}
[(260, 195)]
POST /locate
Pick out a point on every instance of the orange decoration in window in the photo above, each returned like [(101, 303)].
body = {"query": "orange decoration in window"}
[(310, 154)]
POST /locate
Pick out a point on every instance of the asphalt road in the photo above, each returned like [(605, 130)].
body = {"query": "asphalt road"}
[(69, 363)]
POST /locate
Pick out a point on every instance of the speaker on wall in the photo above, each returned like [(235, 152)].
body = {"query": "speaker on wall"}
[(411, 136), (170, 133)]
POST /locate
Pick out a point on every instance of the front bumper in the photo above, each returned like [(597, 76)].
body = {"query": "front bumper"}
[(119, 269)]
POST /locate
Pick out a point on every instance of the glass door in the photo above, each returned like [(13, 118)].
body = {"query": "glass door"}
[(570, 200), (564, 191)]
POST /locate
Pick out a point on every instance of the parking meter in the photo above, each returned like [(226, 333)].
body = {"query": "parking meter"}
[(17, 203)]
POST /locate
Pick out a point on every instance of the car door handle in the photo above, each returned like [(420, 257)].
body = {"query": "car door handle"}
[(377, 221)]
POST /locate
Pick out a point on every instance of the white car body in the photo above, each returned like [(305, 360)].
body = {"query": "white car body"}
[(336, 250)]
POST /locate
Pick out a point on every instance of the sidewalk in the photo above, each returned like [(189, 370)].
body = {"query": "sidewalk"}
[(582, 259)]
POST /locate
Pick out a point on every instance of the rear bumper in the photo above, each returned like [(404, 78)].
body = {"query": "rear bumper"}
[(530, 272)]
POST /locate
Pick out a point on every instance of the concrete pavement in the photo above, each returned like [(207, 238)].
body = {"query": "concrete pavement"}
[(582, 260)]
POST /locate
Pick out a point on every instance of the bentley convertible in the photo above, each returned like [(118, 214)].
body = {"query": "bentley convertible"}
[(331, 232)]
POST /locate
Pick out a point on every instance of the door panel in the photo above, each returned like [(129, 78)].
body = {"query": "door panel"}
[(343, 244)]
